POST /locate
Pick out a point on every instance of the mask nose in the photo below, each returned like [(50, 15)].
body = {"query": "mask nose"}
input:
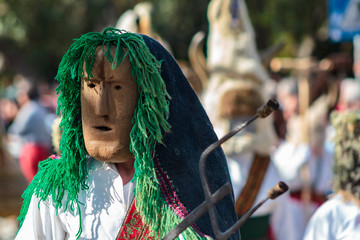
[(102, 102)]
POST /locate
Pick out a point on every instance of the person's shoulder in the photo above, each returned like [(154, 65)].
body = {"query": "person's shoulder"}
[(334, 209), (330, 206), (322, 221)]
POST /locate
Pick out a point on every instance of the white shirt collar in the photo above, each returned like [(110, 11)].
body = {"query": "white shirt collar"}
[(95, 165)]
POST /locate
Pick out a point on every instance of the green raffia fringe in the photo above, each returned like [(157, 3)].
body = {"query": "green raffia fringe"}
[(69, 173)]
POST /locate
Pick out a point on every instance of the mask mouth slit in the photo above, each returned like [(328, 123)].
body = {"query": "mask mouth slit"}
[(102, 128)]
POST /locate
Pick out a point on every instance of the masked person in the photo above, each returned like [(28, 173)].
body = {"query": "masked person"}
[(338, 217), (133, 131)]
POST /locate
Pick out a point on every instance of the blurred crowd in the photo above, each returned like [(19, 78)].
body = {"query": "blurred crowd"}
[(305, 155), (27, 112)]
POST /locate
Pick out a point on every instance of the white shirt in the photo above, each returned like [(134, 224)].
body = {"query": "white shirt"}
[(335, 220), (103, 209), (289, 158)]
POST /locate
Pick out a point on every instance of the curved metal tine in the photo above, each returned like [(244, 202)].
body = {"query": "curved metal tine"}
[(273, 193), (198, 212), (212, 199), (208, 196)]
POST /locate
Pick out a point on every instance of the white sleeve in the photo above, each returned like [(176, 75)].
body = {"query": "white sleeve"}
[(41, 223), (320, 225)]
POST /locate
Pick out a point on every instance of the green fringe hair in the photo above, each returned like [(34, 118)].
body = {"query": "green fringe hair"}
[(67, 176), (347, 152)]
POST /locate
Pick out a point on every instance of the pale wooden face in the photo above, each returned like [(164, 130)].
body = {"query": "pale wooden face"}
[(108, 102)]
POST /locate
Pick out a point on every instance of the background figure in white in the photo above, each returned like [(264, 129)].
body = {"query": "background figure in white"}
[(29, 136), (338, 217), (304, 158), (236, 88)]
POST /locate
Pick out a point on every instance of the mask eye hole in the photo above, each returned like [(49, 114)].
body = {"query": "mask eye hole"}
[(91, 85), (117, 87)]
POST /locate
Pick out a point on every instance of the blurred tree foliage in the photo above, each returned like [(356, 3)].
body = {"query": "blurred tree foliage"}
[(293, 22), (34, 34)]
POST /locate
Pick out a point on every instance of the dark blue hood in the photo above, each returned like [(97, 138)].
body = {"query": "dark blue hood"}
[(191, 132)]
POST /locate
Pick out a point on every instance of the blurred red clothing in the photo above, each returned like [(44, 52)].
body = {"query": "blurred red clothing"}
[(30, 156)]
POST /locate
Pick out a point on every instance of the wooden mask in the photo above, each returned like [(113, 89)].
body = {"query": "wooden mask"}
[(108, 102)]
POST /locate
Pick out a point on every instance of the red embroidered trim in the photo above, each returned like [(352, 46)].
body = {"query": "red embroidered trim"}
[(133, 227), (168, 192), (170, 195)]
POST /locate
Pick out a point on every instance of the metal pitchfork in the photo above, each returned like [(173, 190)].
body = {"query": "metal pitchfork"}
[(212, 199)]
